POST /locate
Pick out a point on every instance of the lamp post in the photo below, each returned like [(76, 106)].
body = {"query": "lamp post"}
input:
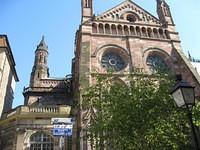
[(184, 96)]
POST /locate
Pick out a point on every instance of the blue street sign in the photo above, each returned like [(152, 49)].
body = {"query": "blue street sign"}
[(68, 132), (62, 131)]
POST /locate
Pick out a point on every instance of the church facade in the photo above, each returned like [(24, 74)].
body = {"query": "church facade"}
[(125, 39)]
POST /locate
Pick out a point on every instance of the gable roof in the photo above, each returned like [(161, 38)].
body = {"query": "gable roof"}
[(189, 65), (129, 7)]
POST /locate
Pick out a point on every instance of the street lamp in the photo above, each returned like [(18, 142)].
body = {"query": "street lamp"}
[(184, 96)]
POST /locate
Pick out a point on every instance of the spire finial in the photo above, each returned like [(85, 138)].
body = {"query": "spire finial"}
[(190, 57), (161, 2), (42, 44), (42, 37)]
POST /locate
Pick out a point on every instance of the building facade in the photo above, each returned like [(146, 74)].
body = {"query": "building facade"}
[(8, 75), (29, 127), (124, 39)]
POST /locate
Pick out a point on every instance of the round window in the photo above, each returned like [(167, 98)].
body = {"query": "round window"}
[(113, 61), (156, 63), (131, 18)]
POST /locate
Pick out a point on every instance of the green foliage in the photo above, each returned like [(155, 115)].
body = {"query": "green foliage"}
[(196, 114), (139, 115)]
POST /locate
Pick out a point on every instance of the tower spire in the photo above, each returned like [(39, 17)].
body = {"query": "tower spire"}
[(42, 44), (40, 69), (164, 12), (87, 9), (162, 2)]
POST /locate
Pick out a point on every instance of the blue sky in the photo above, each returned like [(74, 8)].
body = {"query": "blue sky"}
[(25, 21)]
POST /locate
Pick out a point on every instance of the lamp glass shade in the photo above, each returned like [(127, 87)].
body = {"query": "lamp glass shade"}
[(178, 97), (188, 95)]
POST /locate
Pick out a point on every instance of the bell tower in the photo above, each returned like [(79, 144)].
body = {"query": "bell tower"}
[(40, 69), (164, 13), (87, 9)]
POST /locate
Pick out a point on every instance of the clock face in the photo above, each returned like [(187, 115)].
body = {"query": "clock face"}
[(156, 63), (113, 61)]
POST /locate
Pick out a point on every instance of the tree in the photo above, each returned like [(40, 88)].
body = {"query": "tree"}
[(138, 115)]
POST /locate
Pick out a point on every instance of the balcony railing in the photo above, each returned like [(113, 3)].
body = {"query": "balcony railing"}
[(44, 109), (38, 110)]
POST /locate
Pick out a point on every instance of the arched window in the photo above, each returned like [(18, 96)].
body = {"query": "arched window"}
[(156, 63), (132, 30), (41, 141), (107, 28), (144, 32), (155, 33), (94, 28), (161, 33), (40, 58), (126, 30), (138, 31), (120, 31), (45, 60), (149, 31), (113, 29), (131, 18), (101, 30)]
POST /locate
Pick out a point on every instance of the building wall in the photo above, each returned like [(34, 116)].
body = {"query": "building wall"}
[(16, 134), (8, 75), (6, 83), (19, 125), (138, 50), (8, 135)]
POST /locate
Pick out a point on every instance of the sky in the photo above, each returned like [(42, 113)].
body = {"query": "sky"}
[(25, 21)]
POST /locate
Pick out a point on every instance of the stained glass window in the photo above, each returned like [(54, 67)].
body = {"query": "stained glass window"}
[(156, 63), (113, 61)]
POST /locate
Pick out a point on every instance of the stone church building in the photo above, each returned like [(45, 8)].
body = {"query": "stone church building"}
[(125, 38)]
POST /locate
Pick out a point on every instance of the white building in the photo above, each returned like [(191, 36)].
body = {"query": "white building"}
[(196, 66), (8, 75), (195, 63)]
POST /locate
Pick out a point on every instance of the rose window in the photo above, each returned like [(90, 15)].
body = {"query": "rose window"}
[(113, 61)]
